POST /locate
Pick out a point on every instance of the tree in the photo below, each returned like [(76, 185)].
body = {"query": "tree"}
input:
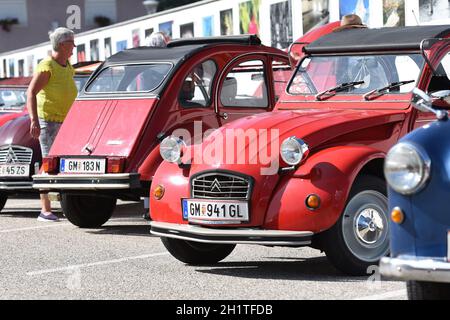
[(169, 4)]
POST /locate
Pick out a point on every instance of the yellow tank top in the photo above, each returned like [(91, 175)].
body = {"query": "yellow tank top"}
[(56, 98)]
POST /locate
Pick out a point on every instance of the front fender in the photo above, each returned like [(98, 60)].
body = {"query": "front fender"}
[(330, 174), (175, 181)]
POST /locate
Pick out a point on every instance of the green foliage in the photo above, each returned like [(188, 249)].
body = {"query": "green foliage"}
[(7, 23), (169, 4)]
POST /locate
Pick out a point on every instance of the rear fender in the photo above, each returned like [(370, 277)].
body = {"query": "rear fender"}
[(330, 174)]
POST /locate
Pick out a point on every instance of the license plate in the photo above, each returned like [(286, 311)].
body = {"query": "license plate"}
[(219, 212), (14, 170), (72, 165)]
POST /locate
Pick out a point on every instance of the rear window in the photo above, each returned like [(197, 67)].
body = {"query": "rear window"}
[(129, 78)]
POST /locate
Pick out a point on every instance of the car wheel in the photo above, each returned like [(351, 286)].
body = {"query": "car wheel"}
[(419, 290), (3, 199), (191, 252), (360, 238), (87, 211)]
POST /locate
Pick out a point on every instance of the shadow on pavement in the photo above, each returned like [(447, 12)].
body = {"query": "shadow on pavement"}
[(301, 269), (123, 230)]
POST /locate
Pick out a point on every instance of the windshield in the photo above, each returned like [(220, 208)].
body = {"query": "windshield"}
[(12, 98), (129, 78), (318, 74)]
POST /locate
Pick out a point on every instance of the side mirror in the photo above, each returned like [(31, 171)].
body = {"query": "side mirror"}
[(421, 101)]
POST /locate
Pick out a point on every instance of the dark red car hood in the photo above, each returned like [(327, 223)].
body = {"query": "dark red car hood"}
[(317, 127)]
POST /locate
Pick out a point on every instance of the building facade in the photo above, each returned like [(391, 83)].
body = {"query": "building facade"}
[(27, 22)]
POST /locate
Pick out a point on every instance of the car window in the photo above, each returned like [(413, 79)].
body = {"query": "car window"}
[(129, 78), (197, 86), (441, 79), (80, 81), (245, 86), (282, 72), (12, 99), (317, 74)]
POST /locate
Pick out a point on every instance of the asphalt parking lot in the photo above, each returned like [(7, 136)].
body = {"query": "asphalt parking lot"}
[(122, 261)]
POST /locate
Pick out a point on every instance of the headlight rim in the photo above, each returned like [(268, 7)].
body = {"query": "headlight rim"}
[(303, 147), (426, 168)]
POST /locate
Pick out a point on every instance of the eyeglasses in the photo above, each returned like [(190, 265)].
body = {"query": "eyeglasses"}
[(70, 41)]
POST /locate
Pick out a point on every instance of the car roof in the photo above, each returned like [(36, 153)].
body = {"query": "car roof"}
[(177, 50), (376, 40)]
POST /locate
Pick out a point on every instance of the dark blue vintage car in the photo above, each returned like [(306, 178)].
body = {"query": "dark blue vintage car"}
[(417, 170)]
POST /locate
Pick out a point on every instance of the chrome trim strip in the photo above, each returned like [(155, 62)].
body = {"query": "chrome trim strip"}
[(238, 235), (85, 182), (415, 268), (9, 185)]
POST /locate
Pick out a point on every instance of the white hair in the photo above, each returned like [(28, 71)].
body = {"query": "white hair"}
[(60, 35), (156, 39)]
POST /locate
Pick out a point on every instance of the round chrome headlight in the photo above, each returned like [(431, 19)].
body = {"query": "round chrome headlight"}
[(407, 168), (293, 150), (171, 149)]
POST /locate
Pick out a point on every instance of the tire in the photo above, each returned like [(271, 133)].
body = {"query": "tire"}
[(419, 290), (197, 253), (87, 211), (360, 238), (3, 199)]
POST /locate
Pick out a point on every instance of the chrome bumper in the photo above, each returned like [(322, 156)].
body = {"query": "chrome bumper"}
[(231, 236), (412, 268), (86, 182), (16, 185)]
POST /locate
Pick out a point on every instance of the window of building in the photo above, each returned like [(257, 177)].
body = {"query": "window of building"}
[(14, 9), (97, 12)]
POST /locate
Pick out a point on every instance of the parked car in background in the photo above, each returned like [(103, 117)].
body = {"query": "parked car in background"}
[(346, 105), (107, 148), (12, 97), (417, 171), (20, 154)]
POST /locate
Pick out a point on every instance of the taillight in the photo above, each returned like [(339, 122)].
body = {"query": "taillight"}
[(115, 164), (50, 164)]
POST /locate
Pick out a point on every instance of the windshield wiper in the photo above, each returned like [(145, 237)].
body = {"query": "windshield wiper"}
[(332, 91), (379, 92)]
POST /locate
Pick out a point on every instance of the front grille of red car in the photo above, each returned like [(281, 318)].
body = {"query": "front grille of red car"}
[(15, 154), (224, 186)]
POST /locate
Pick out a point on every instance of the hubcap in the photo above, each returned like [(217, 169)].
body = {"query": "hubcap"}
[(365, 226), (369, 226)]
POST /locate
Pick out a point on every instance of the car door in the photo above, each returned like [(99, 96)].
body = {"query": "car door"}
[(251, 84)]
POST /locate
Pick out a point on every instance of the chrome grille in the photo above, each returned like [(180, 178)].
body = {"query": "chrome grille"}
[(220, 186), (15, 154)]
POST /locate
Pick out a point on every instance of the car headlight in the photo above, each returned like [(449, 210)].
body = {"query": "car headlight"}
[(293, 150), (407, 168), (171, 149)]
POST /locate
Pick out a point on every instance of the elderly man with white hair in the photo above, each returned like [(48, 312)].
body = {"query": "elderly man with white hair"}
[(50, 96)]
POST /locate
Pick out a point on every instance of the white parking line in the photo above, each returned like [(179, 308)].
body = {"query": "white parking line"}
[(386, 295), (99, 263), (54, 224)]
